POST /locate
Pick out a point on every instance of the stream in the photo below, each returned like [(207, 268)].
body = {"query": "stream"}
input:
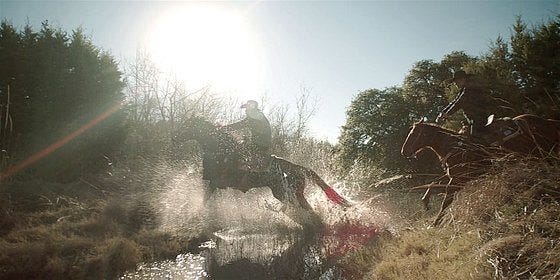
[(238, 254), (252, 238)]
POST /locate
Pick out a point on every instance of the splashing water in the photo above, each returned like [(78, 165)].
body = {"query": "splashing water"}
[(252, 236), (184, 267)]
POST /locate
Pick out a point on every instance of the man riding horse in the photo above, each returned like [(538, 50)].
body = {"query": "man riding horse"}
[(256, 147), (475, 102), (226, 166)]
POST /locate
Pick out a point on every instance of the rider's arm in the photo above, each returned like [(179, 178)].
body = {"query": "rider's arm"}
[(454, 105)]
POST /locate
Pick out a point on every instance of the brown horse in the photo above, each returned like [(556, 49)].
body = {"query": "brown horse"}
[(527, 135), (461, 159), (221, 156)]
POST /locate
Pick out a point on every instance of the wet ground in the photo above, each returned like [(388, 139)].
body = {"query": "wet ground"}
[(251, 238), (239, 254)]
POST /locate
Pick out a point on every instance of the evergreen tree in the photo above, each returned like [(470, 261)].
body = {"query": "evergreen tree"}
[(57, 84), (522, 76)]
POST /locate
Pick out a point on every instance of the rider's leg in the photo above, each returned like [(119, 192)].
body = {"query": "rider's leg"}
[(262, 158), (479, 133)]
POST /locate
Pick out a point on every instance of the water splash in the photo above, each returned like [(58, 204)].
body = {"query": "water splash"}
[(184, 267), (181, 203), (366, 209), (250, 230)]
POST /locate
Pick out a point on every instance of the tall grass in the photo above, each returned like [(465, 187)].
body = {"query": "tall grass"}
[(505, 225), (89, 235)]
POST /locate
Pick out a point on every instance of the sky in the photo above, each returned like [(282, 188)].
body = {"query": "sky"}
[(332, 50)]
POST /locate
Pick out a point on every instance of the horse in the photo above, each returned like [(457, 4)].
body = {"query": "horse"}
[(461, 159), (527, 135), (221, 157)]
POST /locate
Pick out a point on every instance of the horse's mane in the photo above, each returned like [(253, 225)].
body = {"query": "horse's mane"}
[(443, 129), (446, 131), (209, 131)]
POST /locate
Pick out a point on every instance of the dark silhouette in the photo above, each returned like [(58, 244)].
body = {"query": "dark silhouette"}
[(461, 159), (258, 146), (221, 159), (473, 100)]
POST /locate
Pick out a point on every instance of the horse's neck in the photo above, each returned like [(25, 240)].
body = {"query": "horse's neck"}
[(207, 139), (219, 142)]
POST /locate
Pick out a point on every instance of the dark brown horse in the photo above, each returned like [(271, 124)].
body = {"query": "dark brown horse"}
[(221, 156), (527, 135), (461, 159)]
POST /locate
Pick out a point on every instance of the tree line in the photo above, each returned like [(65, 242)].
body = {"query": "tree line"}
[(522, 75), (51, 84), (54, 83)]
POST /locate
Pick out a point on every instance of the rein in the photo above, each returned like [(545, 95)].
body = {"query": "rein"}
[(450, 142)]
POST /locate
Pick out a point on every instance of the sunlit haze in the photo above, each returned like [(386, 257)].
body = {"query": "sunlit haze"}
[(248, 50), (207, 46)]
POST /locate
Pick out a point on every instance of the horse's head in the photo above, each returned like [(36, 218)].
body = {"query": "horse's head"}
[(195, 128), (417, 138)]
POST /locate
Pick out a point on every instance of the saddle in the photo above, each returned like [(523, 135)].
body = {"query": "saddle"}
[(501, 130), (496, 132), (222, 171)]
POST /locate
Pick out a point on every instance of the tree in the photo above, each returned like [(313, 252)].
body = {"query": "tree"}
[(377, 124), (522, 76), (57, 84), (535, 59)]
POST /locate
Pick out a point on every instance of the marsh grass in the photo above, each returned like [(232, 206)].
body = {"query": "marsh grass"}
[(505, 225), (76, 231)]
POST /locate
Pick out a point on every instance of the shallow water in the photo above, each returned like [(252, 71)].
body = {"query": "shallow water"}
[(257, 247), (185, 266), (237, 254), (257, 239)]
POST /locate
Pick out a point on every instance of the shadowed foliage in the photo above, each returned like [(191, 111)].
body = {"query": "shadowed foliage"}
[(51, 85), (521, 76)]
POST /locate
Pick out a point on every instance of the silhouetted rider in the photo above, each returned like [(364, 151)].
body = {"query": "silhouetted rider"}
[(260, 138), (473, 100)]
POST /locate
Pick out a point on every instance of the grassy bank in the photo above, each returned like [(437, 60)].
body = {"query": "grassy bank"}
[(505, 225), (95, 228)]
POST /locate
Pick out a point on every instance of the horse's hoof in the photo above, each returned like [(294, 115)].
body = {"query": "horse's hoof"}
[(426, 205)]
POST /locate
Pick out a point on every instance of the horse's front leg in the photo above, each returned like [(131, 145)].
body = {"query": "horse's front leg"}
[(449, 195), (208, 191), (300, 187), (446, 202), (426, 198), (211, 215)]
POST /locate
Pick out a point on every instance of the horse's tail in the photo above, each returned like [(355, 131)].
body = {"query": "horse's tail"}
[(329, 191)]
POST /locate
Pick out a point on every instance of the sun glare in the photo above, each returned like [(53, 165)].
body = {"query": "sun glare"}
[(207, 46)]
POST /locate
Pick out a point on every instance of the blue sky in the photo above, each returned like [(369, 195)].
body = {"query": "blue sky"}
[(334, 49)]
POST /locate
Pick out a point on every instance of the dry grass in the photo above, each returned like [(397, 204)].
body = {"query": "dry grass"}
[(505, 225), (434, 253), (518, 210), (57, 231)]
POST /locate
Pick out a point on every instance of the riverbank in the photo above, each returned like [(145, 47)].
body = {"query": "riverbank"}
[(93, 228), (504, 225)]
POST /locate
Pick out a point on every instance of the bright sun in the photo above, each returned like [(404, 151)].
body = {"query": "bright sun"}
[(207, 46)]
